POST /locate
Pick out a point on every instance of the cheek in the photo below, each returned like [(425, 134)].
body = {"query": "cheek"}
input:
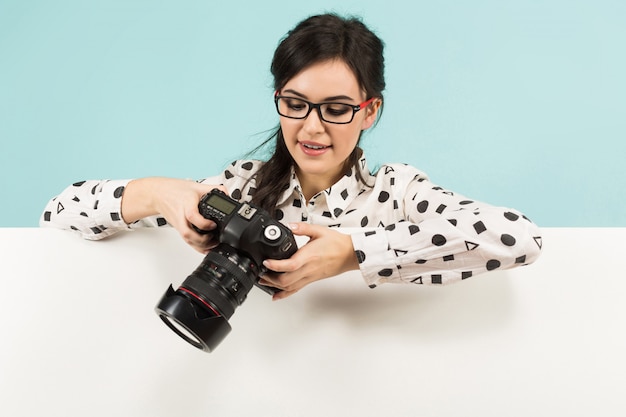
[(348, 136), (288, 130)]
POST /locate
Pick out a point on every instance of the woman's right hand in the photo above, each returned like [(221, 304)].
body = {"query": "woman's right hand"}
[(174, 199)]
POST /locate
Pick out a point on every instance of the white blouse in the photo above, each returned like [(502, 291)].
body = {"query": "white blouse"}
[(412, 231)]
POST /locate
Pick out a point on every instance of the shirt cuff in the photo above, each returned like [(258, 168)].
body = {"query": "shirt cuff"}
[(376, 262), (107, 216)]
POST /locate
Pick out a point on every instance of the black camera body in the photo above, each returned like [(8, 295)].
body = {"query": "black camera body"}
[(248, 229), (199, 310)]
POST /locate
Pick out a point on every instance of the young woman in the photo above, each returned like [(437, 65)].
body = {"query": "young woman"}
[(329, 81)]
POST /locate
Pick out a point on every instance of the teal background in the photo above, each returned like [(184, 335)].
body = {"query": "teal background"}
[(515, 103)]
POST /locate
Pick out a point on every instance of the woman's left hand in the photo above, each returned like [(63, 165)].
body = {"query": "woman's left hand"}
[(326, 254)]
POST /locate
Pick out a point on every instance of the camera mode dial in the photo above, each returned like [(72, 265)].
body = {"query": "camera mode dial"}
[(272, 233)]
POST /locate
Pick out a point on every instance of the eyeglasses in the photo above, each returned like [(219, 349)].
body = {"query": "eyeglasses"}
[(330, 112)]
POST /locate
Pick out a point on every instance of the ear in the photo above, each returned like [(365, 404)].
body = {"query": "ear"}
[(372, 113)]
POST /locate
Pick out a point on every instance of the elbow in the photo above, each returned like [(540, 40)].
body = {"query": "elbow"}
[(534, 248), (519, 242), (534, 245)]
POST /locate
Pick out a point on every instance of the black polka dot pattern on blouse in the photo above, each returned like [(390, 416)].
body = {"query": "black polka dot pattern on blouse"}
[(92, 208), (405, 229), (439, 240)]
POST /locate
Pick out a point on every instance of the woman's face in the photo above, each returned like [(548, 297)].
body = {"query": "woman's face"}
[(320, 149)]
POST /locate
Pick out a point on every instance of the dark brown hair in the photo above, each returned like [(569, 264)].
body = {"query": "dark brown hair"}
[(317, 39)]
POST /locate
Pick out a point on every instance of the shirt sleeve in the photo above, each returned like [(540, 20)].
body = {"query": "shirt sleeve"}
[(445, 237), (94, 208)]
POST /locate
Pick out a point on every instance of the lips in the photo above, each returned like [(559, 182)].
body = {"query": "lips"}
[(313, 148)]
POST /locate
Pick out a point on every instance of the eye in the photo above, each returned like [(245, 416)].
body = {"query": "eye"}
[(294, 104), (335, 109)]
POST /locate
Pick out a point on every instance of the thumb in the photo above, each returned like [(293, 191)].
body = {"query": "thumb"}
[(206, 188)]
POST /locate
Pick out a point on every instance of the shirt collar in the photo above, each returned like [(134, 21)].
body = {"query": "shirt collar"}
[(339, 196)]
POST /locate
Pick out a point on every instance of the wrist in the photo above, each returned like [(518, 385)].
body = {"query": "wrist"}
[(351, 261), (138, 199)]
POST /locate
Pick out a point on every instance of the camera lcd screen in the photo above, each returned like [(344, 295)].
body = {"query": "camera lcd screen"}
[(221, 204)]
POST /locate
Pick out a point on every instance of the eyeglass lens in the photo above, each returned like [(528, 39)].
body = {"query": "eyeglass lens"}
[(330, 112)]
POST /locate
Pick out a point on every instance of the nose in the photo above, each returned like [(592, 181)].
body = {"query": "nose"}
[(313, 123)]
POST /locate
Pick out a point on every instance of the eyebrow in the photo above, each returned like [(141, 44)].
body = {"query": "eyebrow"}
[(327, 99)]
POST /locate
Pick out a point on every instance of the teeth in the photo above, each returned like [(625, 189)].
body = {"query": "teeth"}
[(314, 147)]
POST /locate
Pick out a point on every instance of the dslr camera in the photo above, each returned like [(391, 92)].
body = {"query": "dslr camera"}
[(199, 310)]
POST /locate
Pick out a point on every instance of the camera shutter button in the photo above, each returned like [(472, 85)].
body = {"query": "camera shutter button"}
[(272, 233)]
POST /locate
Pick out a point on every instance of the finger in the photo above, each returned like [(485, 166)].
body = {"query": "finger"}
[(283, 294), (221, 188), (203, 228), (268, 282), (284, 281), (201, 222), (207, 187), (206, 245), (291, 288), (276, 280), (306, 229), (206, 248), (283, 265), (200, 242)]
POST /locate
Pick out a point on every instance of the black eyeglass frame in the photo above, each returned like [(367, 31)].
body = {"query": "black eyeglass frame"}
[(355, 108)]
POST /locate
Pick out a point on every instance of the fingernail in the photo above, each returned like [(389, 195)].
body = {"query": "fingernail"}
[(293, 226)]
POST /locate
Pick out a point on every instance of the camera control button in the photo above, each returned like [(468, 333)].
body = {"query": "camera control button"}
[(272, 233), (286, 246), (246, 211)]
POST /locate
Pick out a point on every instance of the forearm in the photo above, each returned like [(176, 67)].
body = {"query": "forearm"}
[(437, 251), (138, 199), (100, 208)]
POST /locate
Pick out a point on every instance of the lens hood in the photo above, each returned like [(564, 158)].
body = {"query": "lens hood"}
[(191, 322)]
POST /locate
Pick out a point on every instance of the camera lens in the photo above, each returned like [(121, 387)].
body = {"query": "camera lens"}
[(183, 332), (186, 317), (199, 310)]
